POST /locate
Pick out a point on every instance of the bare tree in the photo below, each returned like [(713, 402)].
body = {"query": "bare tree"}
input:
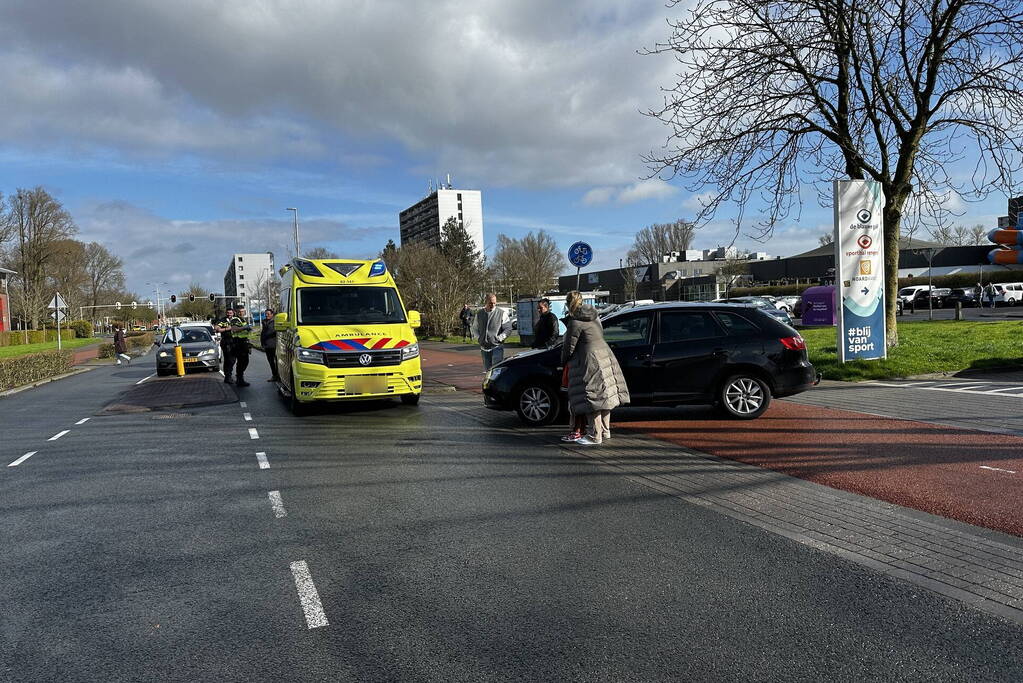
[(978, 234), (826, 238), (35, 221), (103, 270), (630, 282), (319, 253), (942, 234), (773, 94), (528, 266), (654, 241)]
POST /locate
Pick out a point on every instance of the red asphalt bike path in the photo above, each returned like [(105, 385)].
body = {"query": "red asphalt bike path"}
[(937, 469)]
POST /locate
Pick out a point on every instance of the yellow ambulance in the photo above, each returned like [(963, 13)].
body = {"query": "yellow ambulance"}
[(343, 334)]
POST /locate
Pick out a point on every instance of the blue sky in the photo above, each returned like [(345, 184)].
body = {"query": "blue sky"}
[(178, 133)]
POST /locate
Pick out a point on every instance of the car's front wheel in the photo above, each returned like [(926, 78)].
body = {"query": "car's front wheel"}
[(1011, 302), (537, 404), (297, 408), (744, 397)]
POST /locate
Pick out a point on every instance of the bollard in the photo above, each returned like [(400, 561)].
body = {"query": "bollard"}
[(959, 310), (179, 358)]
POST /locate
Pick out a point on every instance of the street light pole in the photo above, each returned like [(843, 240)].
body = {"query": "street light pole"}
[(298, 244)]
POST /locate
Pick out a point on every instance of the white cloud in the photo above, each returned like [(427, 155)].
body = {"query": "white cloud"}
[(697, 202), (636, 192), (529, 93)]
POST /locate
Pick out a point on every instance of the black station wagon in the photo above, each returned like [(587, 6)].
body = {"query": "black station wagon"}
[(732, 356)]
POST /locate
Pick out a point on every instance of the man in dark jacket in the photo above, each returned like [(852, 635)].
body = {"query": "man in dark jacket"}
[(268, 340), (545, 331)]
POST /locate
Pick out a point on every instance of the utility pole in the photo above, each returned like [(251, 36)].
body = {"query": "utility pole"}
[(298, 244)]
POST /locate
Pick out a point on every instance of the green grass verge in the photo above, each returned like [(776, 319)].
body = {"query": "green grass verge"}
[(924, 347), (458, 339), (25, 349)]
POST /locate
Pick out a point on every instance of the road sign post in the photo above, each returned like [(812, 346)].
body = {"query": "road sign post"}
[(57, 304), (579, 255)]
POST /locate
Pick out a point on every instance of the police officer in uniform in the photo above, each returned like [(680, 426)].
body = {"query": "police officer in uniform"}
[(223, 326), (240, 331)]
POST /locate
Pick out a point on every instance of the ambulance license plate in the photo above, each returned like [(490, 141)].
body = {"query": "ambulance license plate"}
[(365, 385)]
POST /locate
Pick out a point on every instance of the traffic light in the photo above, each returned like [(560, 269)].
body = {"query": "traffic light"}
[(213, 297), (174, 298), (134, 305), (191, 298), (149, 304), (117, 305)]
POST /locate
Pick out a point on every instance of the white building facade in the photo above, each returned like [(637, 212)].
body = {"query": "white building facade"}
[(422, 222), (248, 278)]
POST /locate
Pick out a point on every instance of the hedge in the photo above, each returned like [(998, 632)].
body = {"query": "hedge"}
[(140, 341), (20, 370), (82, 328), (17, 337)]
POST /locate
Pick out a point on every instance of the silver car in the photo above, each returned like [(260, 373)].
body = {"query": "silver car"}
[(198, 349)]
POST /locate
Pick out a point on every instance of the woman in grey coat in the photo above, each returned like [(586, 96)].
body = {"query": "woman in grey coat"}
[(596, 385)]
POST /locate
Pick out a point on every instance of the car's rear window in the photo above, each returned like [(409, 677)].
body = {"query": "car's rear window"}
[(679, 326), (736, 324)]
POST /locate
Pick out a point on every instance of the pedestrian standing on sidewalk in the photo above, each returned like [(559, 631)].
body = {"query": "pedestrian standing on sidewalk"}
[(596, 385), (121, 345), (978, 296), (268, 340), (545, 332), (490, 326), (466, 317), (991, 293)]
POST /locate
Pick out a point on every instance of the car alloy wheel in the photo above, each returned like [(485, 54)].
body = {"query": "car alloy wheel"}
[(745, 397), (536, 405)]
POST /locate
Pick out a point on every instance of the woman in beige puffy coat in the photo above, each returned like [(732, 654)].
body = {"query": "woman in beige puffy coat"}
[(596, 385)]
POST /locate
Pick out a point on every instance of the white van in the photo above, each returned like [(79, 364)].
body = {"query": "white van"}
[(908, 294), (1008, 293)]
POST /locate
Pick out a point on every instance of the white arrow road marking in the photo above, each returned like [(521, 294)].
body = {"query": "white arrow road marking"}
[(23, 458), (58, 435), (264, 464), (278, 504), (253, 434), (83, 420), (307, 595)]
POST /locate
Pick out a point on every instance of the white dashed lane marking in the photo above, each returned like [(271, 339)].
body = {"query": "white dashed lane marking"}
[(253, 434), (264, 464), (277, 503), (307, 595), (83, 420), (23, 458), (247, 416), (243, 404), (997, 469), (58, 435)]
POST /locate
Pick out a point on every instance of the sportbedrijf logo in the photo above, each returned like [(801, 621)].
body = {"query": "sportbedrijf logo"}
[(864, 241), (863, 216)]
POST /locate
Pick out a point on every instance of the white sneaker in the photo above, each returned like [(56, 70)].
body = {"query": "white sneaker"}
[(587, 441), (607, 436)]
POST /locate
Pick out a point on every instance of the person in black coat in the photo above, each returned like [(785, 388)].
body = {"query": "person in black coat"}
[(268, 340), (545, 331)]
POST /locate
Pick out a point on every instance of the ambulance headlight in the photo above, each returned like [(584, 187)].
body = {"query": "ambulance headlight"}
[(309, 355), (410, 351)]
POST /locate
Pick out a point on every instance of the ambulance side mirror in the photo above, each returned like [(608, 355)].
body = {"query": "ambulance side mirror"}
[(280, 319), (414, 320)]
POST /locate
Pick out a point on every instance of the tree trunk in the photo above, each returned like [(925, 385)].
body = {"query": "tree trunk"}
[(895, 202)]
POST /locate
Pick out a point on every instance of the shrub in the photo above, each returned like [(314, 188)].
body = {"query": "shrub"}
[(82, 328), (20, 370), (105, 351)]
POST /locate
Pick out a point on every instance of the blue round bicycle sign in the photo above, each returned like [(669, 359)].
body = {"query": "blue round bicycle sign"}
[(580, 254)]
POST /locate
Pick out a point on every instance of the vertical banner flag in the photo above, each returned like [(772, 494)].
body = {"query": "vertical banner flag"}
[(859, 269)]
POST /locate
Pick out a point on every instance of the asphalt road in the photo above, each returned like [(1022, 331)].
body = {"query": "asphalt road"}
[(386, 542)]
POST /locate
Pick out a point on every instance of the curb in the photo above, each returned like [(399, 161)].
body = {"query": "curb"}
[(25, 387)]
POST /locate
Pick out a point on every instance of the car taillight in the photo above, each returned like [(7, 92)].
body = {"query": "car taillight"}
[(795, 343)]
